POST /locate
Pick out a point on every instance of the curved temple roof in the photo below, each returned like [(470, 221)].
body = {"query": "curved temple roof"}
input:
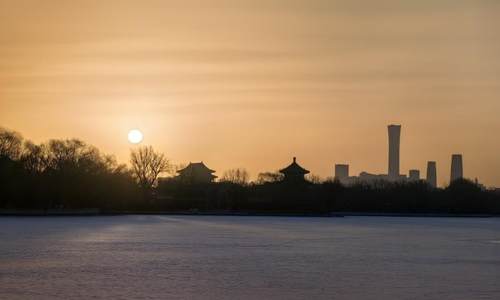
[(198, 166), (294, 168)]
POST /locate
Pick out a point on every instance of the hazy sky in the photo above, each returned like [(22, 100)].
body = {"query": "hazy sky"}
[(251, 84)]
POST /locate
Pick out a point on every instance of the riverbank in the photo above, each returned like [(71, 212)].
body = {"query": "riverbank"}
[(97, 212)]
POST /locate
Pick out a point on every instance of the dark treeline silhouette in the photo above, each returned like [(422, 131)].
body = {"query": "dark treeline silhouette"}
[(461, 197), (65, 174), (71, 175)]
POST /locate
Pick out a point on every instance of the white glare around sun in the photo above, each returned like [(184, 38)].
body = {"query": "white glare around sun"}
[(135, 136)]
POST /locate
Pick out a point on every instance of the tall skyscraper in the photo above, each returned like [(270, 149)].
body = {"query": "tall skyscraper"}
[(431, 173), (394, 142), (457, 169)]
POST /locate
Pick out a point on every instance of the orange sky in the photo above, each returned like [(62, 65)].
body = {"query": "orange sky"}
[(252, 83)]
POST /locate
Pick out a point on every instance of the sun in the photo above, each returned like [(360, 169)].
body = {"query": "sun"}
[(135, 136)]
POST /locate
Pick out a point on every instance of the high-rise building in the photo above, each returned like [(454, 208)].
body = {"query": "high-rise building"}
[(394, 142), (414, 175), (431, 173), (457, 169), (342, 173)]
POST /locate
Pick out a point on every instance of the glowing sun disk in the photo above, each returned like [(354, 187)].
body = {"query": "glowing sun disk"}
[(135, 136)]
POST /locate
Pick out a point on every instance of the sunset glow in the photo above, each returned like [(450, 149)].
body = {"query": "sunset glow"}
[(254, 83)]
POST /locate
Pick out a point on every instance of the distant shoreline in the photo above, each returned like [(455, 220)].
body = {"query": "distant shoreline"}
[(95, 212)]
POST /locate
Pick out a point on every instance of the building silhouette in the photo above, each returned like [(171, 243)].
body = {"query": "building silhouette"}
[(294, 172), (394, 147), (366, 177), (414, 175), (457, 171), (341, 172), (393, 172), (196, 173), (431, 174), (394, 133)]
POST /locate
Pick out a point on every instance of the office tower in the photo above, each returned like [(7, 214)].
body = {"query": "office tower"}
[(342, 173), (414, 175), (457, 171), (431, 174), (394, 141)]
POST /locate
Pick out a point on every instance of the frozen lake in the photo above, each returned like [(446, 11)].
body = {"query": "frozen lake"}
[(209, 257)]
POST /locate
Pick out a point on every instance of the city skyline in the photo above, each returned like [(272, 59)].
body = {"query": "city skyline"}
[(394, 173), (239, 84), (341, 171)]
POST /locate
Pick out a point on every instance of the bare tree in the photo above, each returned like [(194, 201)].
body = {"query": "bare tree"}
[(269, 177), (238, 176), (147, 165), (74, 154), (314, 178), (35, 158), (10, 144)]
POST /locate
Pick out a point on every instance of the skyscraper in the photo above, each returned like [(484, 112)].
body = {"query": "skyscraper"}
[(394, 142), (457, 170), (431, 173)]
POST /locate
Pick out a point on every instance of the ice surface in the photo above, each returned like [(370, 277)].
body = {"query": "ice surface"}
[(210, 257)]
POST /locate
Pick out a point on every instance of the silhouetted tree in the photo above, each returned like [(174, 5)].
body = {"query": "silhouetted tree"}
[(71, 174), (10, 144), (35, 158), (147, 165), (239, 176), (269, 177), (314, 178)]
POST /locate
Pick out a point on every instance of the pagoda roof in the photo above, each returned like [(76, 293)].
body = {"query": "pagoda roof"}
[(199, 166), (294, 168)]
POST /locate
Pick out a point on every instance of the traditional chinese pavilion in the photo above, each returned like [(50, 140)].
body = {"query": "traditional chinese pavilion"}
[(294, 172), (196, 173)]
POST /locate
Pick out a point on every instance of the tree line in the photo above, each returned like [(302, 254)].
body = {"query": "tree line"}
[(71, 175)]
